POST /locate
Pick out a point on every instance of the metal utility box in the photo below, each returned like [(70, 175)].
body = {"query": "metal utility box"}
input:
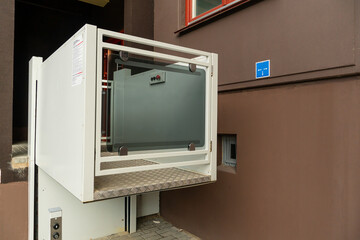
[(108, 119)]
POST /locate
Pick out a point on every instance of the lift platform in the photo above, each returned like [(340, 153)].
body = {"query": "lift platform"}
[(113, 115)]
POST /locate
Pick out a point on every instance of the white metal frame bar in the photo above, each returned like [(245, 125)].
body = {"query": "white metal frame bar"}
[(144, 41), (203, 59), (155, 155), (34, 67), (214, 113), (109, 86), (152, 167), (147, 53)]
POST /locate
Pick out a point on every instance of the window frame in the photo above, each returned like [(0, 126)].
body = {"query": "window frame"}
[(189, 19)]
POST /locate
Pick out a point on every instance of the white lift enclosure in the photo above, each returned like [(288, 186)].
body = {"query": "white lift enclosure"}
[(113, 115)]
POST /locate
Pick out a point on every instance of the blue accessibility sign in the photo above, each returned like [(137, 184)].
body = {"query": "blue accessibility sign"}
[(262, 69)]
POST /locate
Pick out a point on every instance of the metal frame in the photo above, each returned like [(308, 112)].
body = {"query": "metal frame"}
[(201, 160), (204, 59), (109, 86), (34, 68)]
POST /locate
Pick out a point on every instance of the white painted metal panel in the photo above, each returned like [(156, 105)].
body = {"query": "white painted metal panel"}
[(66, 115), (90, 114), (79, 221), (148, 204)]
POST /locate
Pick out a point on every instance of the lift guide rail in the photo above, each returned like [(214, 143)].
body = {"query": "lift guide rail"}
[(116, 120)]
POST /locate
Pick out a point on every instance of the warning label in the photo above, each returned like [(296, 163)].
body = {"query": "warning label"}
[(78, 60)]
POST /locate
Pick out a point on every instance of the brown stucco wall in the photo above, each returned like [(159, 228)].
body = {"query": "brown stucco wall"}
[(13, 211), (139, 18), (303, 39), (13, 196), (297, 131), (6, 87), (297, 173)]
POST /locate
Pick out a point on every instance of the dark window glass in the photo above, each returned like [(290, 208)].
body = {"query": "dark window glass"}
[(202, 6)]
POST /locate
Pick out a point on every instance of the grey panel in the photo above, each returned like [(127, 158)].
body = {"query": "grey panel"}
[(150, 113), (56, 228)]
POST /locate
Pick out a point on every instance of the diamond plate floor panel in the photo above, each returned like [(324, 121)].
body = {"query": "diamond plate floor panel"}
[(145, 181)]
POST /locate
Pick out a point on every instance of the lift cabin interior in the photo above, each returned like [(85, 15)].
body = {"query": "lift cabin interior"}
[(112, 122)]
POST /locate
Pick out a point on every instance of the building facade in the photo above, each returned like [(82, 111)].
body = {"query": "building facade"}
[(297, 132)]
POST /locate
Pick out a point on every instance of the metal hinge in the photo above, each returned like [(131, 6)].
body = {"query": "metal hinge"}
[(210, 146), (212, 70)]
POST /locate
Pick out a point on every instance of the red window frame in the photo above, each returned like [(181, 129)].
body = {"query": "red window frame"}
[(188, 13)]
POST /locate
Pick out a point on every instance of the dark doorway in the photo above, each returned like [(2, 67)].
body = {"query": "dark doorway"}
[(42, 26)]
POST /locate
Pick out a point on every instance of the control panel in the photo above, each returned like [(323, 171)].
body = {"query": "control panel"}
[(55, 223)]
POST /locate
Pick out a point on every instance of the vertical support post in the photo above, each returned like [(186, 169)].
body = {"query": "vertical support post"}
[(130, 214), (34, 67), (133, 214), (214, 112)]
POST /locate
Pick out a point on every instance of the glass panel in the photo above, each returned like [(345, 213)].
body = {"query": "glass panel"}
[(154, 106), (202, 6), (109, 66)]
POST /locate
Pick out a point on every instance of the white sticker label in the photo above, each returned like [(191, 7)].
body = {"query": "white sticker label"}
[(78, 60)]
